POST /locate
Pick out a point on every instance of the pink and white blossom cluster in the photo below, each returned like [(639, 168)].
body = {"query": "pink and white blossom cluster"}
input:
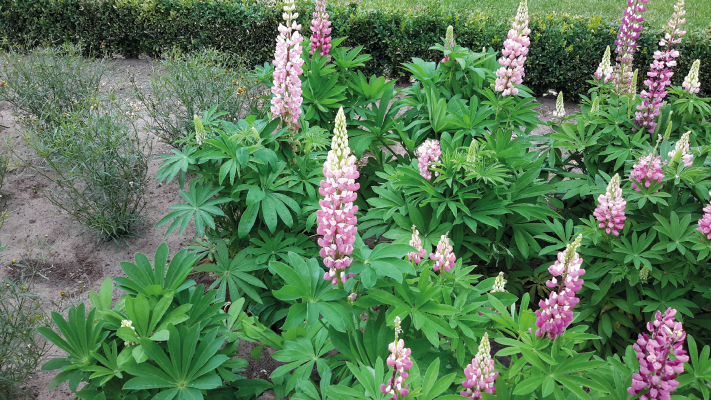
[(681, 151), (604, 70), (427, 154), (321, 28), (556, 313), (416, 242), (610, 211), (336, 218), (647, 170), (480, 374), (444, 254), (627, 44), (399, 359), (691, 82), (661, 71), (286, 102), (657, 374), (705, 222), (514, 54)]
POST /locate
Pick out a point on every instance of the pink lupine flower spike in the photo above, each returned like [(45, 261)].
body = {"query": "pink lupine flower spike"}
[(513, 55), (336, 218), (556, 313), (657, 374)]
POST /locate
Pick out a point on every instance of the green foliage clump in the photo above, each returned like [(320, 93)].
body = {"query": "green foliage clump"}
[(191, 84), (86, 141)]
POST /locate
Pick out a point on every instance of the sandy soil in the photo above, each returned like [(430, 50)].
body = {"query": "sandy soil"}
[(77, 261)]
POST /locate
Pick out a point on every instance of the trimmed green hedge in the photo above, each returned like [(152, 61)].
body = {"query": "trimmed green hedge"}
[(564, 53)]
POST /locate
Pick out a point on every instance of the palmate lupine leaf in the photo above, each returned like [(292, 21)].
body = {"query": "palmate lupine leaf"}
[(187, 369), (198, 205), (234, 273)]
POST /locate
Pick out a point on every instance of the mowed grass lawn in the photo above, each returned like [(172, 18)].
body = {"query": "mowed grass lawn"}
[(698, 12)]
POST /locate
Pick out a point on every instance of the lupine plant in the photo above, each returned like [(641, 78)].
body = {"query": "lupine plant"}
[(436, 250)]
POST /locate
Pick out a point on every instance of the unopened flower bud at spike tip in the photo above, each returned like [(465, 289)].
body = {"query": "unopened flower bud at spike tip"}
[(604, 70), (200, 134), (595, 107), (559, 106), (691, 83)]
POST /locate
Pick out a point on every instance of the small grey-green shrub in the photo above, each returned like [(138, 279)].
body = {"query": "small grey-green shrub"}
[(22, 349), (191, 84), (48, 84), (98, 165)]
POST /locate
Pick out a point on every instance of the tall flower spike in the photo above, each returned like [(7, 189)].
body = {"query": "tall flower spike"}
[(480, 374), (627, 44), (691, 82), (399, 359), (604, 70), (647, 170), (286, 102), (595, 107), (559, 107), (657, 374), (556, 313), (321, 28), (416, 242), (444, 255), (661, 71), (513, 55), (200, 134), (705, 222), (427, 154), (449, 39), (681, 151), (610, 211), (336, 218), (499, 284)]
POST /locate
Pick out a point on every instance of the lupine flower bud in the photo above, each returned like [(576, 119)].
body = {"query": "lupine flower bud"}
[(595, 107), (336, 218), (633, 85), (705, 222), (416, 242), (657, 374), (321, 28), (287, 99), (559, 106), (449, 39), (444, 255), (556, 313), (681, 151), (499, 284), (513, 55), (627, 44), (647, 170), (610, 211), (352, 298), (604, 70), (691, 82), (399, 359), (644, 274), (480, 375), (661, 71), (427, 154), (128, 324), (667, 133), (200, 134)]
